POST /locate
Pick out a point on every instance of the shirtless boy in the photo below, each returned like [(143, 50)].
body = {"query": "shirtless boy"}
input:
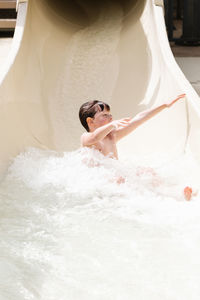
[(103, 132)]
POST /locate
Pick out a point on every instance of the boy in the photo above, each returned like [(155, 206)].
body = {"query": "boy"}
[(103, 132)]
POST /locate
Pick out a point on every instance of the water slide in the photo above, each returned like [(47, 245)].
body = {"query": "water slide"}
[(66, 53), (68, 232)]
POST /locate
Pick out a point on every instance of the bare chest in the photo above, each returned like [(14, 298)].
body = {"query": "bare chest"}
[(107, 146)]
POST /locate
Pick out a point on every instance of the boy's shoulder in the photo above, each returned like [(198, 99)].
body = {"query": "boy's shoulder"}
[(82, 138), (84, 134)]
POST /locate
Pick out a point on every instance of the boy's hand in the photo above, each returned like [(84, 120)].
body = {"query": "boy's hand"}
[(175, 100), (121, 123)]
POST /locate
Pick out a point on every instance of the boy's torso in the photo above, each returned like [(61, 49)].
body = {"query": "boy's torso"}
[(107, 146)]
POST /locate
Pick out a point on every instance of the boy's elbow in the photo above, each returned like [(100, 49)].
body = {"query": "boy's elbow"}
[(95, 138), (92, 139)]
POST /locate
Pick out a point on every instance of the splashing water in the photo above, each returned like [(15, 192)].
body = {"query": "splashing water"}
[(70, 231)]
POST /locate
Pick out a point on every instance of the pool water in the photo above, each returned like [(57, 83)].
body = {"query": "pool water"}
[(70, 231)]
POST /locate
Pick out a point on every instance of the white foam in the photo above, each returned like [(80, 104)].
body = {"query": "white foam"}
[(69, 231)]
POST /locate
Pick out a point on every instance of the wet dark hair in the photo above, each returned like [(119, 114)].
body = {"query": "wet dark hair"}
[(89, 109)]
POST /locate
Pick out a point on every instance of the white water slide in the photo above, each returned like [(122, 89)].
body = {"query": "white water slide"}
[(69, 231), (66, 52)]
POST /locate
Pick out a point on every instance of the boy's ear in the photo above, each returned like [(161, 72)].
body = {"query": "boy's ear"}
[(89, 121)]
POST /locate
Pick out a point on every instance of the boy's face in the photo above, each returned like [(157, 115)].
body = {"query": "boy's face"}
[(101, 118)]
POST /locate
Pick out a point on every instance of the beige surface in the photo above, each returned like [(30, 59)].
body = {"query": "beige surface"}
[(116, 51), (185, 51), (7, 23), (191, 68), (7, 4)]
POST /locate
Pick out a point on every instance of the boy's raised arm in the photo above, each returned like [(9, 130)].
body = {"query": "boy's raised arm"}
[(142, 117), (90, 138)]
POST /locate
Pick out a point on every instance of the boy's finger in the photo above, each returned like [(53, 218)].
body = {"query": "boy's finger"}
[(181, 96), (125, 119), (124, 122), (178, 98)]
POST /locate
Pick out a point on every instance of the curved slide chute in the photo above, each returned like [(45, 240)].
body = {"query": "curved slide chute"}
[(67, 52)]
